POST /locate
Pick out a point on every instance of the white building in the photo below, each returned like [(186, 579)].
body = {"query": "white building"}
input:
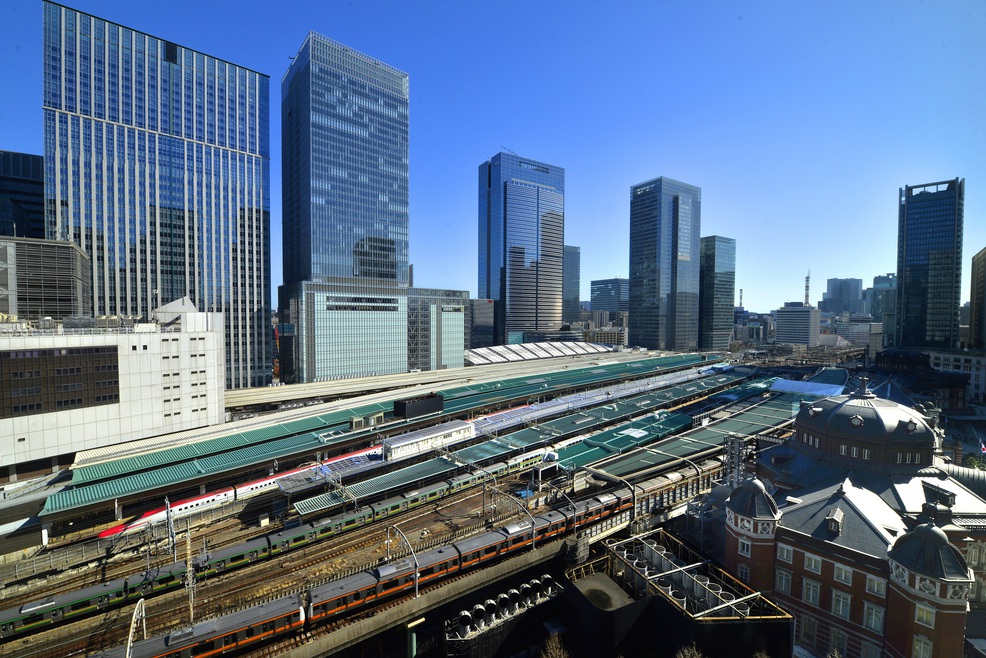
[(67, 390), (798, 324)]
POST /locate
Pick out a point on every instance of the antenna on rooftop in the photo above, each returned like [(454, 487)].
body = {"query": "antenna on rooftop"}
[(507, 150), (807, 284)]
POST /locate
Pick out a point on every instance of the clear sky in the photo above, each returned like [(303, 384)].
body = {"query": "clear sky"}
[(799, 120)]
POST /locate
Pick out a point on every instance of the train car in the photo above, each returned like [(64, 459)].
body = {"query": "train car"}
[(338, 596), (66, 607), (425, 440), (232, 557), (222, 635)]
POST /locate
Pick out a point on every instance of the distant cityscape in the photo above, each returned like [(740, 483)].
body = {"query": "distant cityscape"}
[(136, 287)]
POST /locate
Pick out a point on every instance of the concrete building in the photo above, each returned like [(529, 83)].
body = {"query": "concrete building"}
[(797, 324), (867, 539), (521, 244), (929, 264), (970, 363), (66, 390), (157, 164), (665, 228), (859, 331), (344, 132), (436, 328), (717, 292), (571, 283), (22, 195), (977, 310), (44, 279)]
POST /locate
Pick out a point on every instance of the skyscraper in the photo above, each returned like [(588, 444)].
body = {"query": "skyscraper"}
[(521, 244), (344, 132), (977, 312), (718, 286), (929, 264), (22, 195), (665, 226), (611, 295), (571, 282), (157, 164), (842, 295)]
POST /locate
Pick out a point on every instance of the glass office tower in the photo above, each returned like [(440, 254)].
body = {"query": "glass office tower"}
[(521, 244), (571, 282), (665, 225), (344, 132), (718, 285), (929, 264), (157, 164), (610, 295), (977, 312)]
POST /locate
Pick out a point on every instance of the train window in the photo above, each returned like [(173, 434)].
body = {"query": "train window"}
[(228, 640), (80, 605), (249, 632), (32, 619), (200, 649), (7, 628), (350, 522), (489, 549), (298, 540)]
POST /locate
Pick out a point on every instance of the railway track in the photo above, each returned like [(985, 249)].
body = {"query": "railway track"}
[(246, 587)]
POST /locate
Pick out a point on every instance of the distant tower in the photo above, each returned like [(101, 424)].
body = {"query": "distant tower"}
[(807, 286), (741, 298)]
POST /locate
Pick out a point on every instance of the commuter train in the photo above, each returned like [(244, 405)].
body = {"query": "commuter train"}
[(248, 627), (64, 607), (656, 493)]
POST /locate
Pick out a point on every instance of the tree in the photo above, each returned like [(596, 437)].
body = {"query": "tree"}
[(690, 651), (554, 648)]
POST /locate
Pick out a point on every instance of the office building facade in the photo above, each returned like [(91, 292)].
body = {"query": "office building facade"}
[(22, 195), (157, 164), (718, 292), (665, 229), (798, 324), (977, 311), (521, 244), (436, 328), (929, 264), (344, 132), (611, 295), (842, 296), (572, 280), (44, 279)]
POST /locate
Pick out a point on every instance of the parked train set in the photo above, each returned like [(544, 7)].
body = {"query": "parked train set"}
[(393, 449), (659, 492), (250, 626)]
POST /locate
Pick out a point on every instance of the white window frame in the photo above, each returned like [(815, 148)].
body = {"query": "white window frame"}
[(811, 586), (813, 563), (876, 586), (923, 647), (841, 603), (841, 573), (924, 615), (785, 553), (782, 581), (744, 547), (873, 616)]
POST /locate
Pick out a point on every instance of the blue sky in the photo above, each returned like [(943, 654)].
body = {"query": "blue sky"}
[(799, 120)]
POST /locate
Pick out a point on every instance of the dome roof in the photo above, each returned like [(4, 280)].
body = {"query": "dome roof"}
[(751, 499), (927, 551), (863, 416)]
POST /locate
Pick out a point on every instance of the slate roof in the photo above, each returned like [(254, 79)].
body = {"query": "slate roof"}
[(926, 550), (751, 499)]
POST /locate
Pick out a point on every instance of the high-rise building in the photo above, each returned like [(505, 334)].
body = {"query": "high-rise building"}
[(842, 296), (157, 164), (436, 328), (718, 292), (521, 244), (344, 132), (977, 312), (22, 195), (798, 324), (571, 282), (44, 279), (479, 323), (611, 295), (929, 264), (665, 227)]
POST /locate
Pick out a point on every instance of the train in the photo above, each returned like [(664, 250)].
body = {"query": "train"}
[(61, 608), (248, 627), (659, 492)]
